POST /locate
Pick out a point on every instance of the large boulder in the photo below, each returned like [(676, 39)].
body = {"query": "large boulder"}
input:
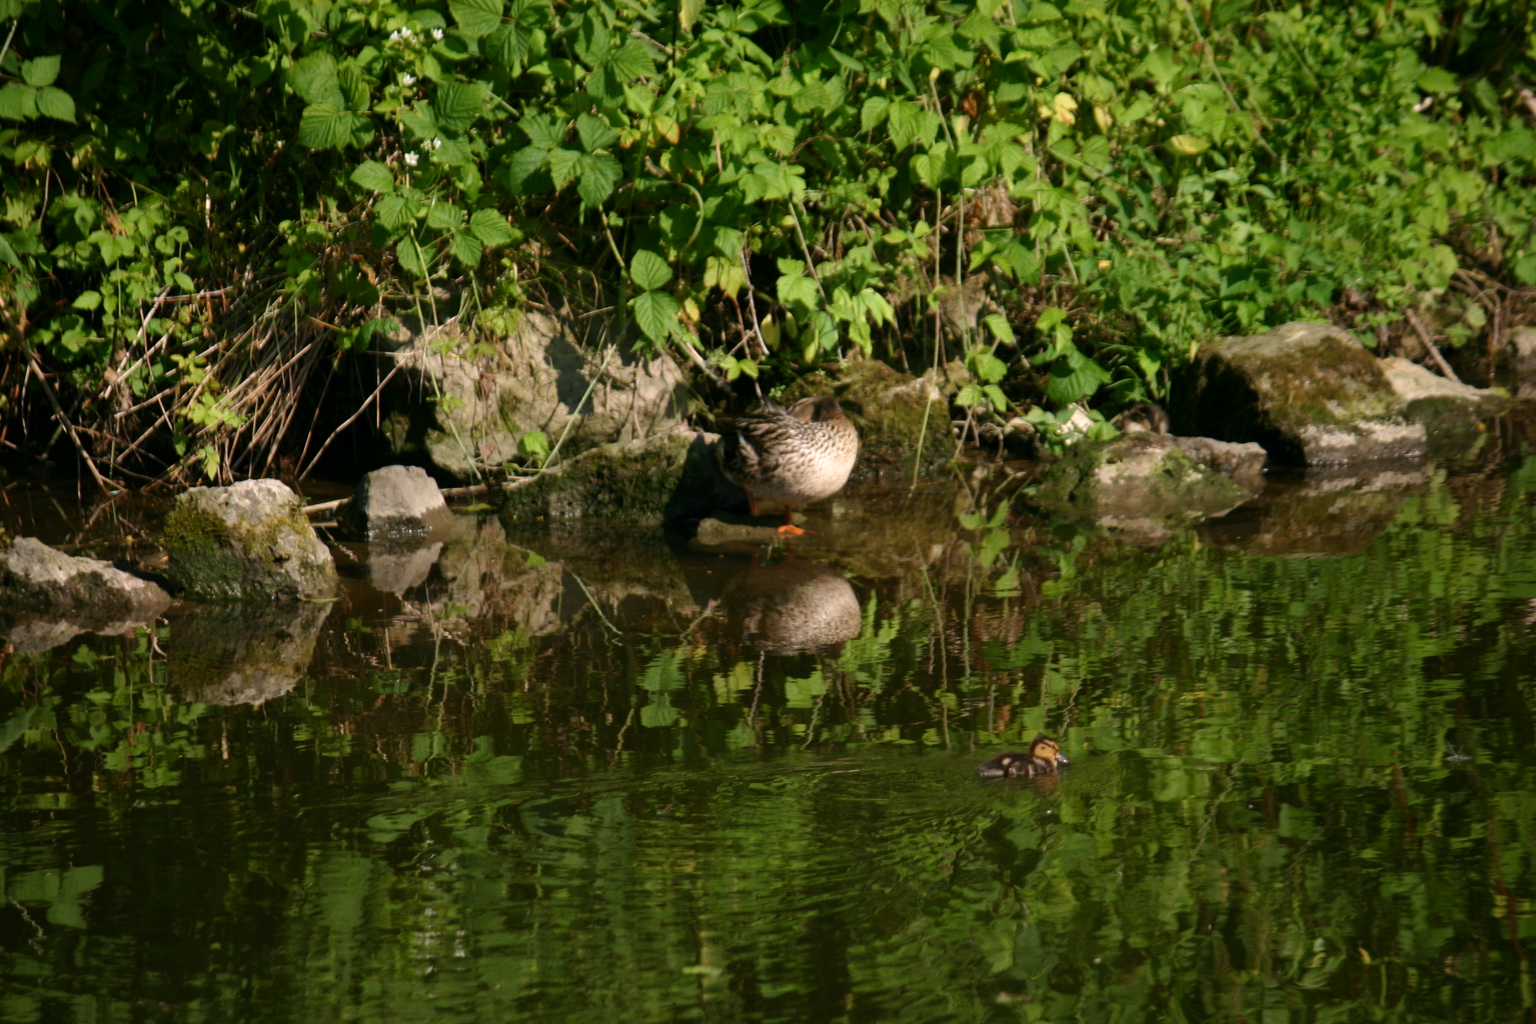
[(1139, 482), (1309, 393), (674, 478), (247, 542), (902, 420), (396, 502), (47, 597), (465, 404), (1452, 413)]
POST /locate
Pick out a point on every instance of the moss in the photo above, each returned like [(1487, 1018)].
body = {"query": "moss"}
[(217, 561)]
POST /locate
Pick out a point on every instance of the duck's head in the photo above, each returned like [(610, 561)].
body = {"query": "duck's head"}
[(1046, 750), (821, 409)]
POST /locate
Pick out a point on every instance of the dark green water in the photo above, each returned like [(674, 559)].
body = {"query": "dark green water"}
[(591, 776)]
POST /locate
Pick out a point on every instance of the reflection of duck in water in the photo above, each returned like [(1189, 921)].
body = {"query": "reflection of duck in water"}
[(793, 456), (1044, 758), (793, 606)]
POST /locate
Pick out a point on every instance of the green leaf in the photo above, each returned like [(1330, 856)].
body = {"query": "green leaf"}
[(534, 445), (476, 17), (1000, 328), (874, 112), (506, 46), (40, 71), (524, 164), (57, 104), (18, 102), (314, 78), (1074, 380), (412, 258), (632, 61), (393, 212), (466, 248), (543, 131), (373, 176), (491, 228), (564, 164), (87, 300), (1437, 80), (1049, 317), (656, 313), (594, 41), (595, 133), (599, 175), (458, 105), (648, 270), (324, 126), (444, 215)]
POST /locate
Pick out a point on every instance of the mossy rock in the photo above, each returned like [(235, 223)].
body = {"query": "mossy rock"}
[(888, 408), (1309, 393), (239, 655), (1136, 478), (672, 479), (1454, 415), (247, 542)]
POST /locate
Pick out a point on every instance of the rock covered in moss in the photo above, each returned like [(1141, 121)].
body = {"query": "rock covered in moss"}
[(395, 502), (247, 542), (889, 408), (1309, 393), (47, 597), (674, 478), (1453, 414), (1135, 480)]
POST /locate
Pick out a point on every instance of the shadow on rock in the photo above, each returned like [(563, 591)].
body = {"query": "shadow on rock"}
[(1321, 512), (242, 655)]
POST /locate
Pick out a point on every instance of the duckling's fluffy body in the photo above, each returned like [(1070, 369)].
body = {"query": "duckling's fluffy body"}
[(1044, 758), (793, 456)]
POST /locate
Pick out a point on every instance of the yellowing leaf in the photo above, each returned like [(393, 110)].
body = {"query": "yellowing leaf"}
[(1188, 145)]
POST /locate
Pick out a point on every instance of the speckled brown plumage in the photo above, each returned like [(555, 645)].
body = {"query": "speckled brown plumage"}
[(793, 456), (1044, 758), (793, 606)]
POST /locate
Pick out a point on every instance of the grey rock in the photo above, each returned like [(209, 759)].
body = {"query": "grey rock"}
[(1310, 394), (674, 478), (1452, 414), (396, 501), (542, 376), (47, 597), (1522, 348), (1135, 481), (250, 541), (1244, 463), (239, 655)]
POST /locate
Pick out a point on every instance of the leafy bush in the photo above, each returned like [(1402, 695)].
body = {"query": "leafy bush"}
[(750, 183)]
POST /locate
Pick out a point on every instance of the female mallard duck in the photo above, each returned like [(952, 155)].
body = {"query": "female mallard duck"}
[(793, 456), (1044, 758)]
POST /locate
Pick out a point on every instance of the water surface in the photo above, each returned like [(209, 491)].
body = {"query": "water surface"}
[(551, 773)]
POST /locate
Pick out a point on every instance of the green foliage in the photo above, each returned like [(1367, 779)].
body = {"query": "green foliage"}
[(1164, 171)]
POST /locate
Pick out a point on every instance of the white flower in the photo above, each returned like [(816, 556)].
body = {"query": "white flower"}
[(406, 33), (394, 36), (407, 79), (437, 143), (411, 159), (437, 33)]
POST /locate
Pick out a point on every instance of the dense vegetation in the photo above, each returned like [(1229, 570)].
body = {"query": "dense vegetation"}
[(211, 209)]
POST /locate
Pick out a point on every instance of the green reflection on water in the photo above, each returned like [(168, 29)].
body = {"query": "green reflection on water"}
[(1301, 791)]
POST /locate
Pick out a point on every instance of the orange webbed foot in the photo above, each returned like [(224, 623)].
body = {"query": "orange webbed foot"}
[(789, 530)]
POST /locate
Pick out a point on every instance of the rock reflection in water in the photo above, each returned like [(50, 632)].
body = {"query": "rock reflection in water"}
[(1328, 511), (792, 606), (241, 654)]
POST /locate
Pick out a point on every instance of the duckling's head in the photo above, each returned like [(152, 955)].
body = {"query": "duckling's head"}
[(1044, 748), (821, 409)]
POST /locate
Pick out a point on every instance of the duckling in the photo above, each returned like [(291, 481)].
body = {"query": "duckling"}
[(1142, 418), (1044, 758), (793, 456)]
